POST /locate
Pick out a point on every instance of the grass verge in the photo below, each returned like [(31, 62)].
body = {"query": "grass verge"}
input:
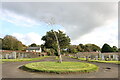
[(23, 59), (64, 67), (100, 61)]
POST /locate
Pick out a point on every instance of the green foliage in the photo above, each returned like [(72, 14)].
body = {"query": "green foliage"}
[(83, 48), (118, 49), (0, 43), (11, 43), (50, 40), (115, 49), (64, 67), (92, 47), (106, 48), (33, 45), (72, 49)]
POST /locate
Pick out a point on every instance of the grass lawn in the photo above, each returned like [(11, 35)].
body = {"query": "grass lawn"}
[(64, 67), (102, 61), (23, 59), (116, 62)]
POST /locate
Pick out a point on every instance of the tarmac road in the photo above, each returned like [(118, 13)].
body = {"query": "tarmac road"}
[(11, 70)]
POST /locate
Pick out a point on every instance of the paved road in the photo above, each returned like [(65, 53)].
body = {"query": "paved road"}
[(10, 70)]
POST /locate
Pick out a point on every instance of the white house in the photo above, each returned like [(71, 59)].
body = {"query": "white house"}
[(33, 49)]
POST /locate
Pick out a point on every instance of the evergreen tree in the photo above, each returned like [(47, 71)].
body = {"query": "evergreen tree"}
[(106, 48)]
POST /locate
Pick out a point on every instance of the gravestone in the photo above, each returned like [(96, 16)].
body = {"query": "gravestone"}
[(0, 56), (99, 56), (6, 56), (22, 55), (14, 55), (116, 57), (87, 58), (75, 56), (19, 55), (9, 56), (102, 56), (109, 58), (105, 57), (92, 57), (25, 55), (96, 57)]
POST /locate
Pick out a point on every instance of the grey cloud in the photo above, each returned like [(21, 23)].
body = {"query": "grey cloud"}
[(77, 18)]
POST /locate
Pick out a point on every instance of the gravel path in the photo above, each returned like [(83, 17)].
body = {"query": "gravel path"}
[(10, 70)]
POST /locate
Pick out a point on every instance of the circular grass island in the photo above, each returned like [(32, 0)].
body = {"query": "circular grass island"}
[(55, 67)]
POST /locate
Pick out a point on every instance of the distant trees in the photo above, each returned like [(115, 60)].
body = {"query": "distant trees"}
[(0, 43), (106, 48), (115, 49), (11, 43), (33, 45), (92, 48), (83, 48), (72, 49)]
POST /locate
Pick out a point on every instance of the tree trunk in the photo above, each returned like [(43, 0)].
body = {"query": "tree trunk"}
[(59, 54)]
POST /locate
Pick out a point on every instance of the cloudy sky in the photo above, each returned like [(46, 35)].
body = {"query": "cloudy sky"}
[(84, 22)]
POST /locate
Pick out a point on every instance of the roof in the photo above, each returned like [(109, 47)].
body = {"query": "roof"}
[(33, 48)]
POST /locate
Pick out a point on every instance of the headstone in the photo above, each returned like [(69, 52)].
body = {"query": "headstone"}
[(75, 55), (92, 57), (109, 58), (19, 55), (9, 56), (87, 58), (99, 56), (6, 56), (0, 56), (25, 55), (102, 57), (14, 55), (22, 55), (96, 57), (105, 58), (116, 57)]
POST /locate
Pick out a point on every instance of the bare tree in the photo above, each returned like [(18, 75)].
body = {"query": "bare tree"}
[(51, 22)]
